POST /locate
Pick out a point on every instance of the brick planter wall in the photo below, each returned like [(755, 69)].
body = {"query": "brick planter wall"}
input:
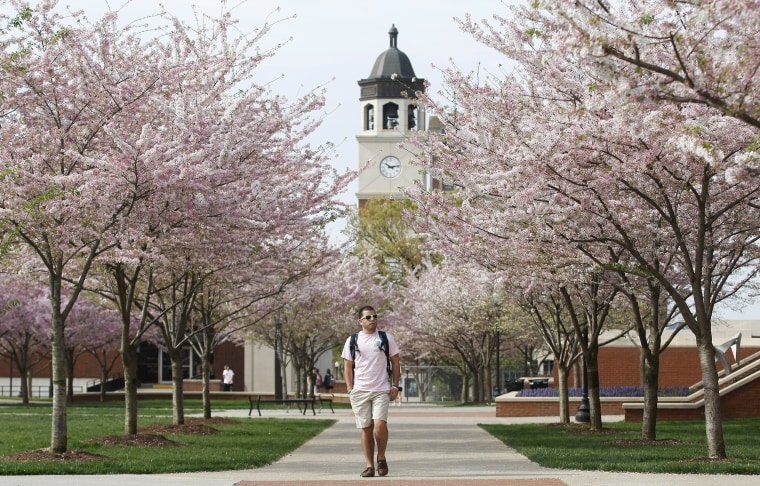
[(547, 407), (737, 401), (197, 385)]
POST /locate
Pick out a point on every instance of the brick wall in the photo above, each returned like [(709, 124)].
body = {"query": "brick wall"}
[(679, 366), (742, 402), (86, 366), (197, 385), (233, 355)]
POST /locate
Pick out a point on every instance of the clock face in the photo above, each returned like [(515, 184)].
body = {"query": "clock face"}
[(390, 166)]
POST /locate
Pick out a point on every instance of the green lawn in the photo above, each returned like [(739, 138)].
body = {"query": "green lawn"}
[(681, 447), (245, 444)]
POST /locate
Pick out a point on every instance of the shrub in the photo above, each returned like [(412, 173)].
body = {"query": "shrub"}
[(609, 391)]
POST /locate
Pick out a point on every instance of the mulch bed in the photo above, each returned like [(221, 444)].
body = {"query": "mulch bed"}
[(635, 442), (44, 455), (577, 428), (147, 436)]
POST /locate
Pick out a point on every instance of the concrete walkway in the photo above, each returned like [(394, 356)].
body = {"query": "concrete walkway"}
[(428, 445)]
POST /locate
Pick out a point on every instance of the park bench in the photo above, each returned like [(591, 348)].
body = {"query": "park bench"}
[(282, 401), (325, 398), (292, 401)]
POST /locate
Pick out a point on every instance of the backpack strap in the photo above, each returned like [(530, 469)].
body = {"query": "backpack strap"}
[(353, 344), (385, 346)]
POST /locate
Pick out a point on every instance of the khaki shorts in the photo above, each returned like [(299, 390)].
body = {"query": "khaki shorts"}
[(369, 406)]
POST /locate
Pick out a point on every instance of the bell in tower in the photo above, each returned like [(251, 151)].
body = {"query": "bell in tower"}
[(390, 115)]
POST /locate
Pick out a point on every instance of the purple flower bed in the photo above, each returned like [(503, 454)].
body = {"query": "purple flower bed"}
[(609, 391)]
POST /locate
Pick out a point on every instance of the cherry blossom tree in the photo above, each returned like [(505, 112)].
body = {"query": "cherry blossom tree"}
[(129, 287), (105, 349), (65, 87), (701, 52), (554, 156), (651, 314), (24, 327), (257, 190), (548, 310), (317, 311), (145, 148), (91, 329), (457, 307), (226, 304)]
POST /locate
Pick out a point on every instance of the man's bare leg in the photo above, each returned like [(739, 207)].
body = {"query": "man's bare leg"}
[(368, 445), (381, 437)]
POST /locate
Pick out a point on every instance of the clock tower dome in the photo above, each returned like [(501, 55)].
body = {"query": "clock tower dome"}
[(388, 114)]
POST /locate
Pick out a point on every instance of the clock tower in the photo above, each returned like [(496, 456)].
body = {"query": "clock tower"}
[(388, 114)]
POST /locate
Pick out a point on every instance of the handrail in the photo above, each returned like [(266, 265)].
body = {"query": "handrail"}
[(42, 391)]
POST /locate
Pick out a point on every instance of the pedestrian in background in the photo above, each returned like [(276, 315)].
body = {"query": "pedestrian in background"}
[(227, 378)]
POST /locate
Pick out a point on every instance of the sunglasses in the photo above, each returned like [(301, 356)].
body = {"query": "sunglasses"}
[(370, 317)]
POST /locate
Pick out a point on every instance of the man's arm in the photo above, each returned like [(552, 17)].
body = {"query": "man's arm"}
[(348, 374), (396, 365)]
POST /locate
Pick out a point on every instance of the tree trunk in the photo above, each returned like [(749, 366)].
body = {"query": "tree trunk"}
[(284, 375), (59, 427), (23, 373), (489, 385), (564, 400), (206, 373), (595, 403), (178, 397), (577, 380), (716, 448), (70, 376), (650, 370), (103, 381), (129, 357), (476, 386)]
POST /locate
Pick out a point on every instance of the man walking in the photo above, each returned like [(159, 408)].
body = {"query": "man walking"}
[(372, 373)]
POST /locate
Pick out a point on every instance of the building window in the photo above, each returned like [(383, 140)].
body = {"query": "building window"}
[(191, 363), (369, 117)]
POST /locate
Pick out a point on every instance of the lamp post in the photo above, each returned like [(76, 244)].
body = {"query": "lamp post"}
[(498, 367), (277, 366), (584, 410), (406, 385)]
